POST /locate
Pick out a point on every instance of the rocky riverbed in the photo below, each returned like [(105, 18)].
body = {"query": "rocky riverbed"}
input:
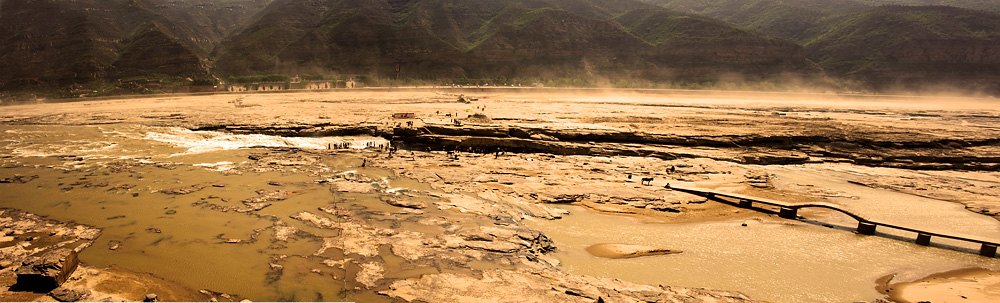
[(323, 196)]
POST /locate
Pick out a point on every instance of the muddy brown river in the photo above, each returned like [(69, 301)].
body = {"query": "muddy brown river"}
[(769, 259), (182, 238), (172, 236), (786, 261)]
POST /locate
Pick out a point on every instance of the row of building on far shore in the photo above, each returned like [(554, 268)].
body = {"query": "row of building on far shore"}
[(294, 84)]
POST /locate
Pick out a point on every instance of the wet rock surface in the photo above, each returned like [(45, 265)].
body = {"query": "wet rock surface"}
[(364, 228), (978, 192), (444, 217), (183, 190), (18, 179), (405, 203), (544, 286), (624, 251), (47, 271), (601, 183), (47, 246), (69, 295), (40, 263)]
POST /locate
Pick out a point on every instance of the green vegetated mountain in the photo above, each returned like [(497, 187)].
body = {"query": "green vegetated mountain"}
[(205, 22), (790, 19), (799, 20), (115, 46), (427, 39), (582, 42), (913, 47), (986, 5), (60, 43), (877, 46)]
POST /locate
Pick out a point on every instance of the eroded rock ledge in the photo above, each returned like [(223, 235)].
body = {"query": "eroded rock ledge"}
[(909, 152)]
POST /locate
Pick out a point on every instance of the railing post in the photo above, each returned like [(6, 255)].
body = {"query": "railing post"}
[(788, 213), (866, 228), (923, 239), (988, 250)]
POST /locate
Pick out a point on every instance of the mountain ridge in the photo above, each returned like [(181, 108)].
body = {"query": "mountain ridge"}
[(96, 45), (492, 39)]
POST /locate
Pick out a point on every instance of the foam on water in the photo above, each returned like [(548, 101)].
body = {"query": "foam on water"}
[(208, 141), (396, 190), (85, 149), (218, 166)]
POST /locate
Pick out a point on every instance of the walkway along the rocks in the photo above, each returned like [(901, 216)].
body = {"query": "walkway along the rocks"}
[(866, 226)]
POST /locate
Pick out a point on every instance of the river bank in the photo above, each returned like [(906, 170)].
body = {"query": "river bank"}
[(324, 196)]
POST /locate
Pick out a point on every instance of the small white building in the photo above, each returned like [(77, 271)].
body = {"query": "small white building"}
[(316, 85), (272, 86), (236, 88)]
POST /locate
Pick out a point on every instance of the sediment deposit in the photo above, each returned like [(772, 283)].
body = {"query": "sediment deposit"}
[(324, 196)]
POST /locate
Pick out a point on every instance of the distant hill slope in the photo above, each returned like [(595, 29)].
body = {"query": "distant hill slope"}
[(984, 5), (52, 42), (495, 39), (913, 46), (78, 47), (204, 22), (875, 43), (150, 51), (795, 20), (46, 44), (799, 20)]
